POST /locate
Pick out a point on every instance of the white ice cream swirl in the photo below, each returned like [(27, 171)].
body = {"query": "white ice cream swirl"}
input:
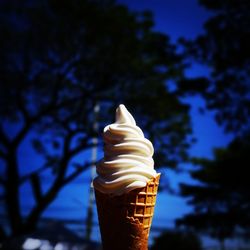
[(127, 162)]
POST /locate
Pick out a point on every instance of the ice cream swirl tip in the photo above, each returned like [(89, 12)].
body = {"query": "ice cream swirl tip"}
[(127, 162)]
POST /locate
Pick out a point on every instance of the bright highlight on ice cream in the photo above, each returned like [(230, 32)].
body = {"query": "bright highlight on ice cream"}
[(127, 162)]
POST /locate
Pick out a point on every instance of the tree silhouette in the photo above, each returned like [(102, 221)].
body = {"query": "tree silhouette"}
[(223, 49), (222, 200), (177, 240), (58, 60)]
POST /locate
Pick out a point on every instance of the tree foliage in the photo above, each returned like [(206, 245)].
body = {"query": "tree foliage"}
[(222, 200), (59, 59), (223, 49)]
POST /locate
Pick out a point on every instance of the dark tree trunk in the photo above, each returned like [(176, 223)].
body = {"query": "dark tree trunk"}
[(12, 192)]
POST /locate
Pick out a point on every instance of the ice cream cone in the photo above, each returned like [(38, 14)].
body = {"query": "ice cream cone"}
[(125, 220)]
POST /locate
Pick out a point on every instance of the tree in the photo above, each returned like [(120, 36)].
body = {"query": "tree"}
[(222, 199), (223, 49), (177, 240), (58, 60)]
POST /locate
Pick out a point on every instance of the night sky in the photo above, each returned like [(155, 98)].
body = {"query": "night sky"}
[(179, 18)]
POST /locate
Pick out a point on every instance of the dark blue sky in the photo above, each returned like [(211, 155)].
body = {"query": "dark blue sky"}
[(179, 18)]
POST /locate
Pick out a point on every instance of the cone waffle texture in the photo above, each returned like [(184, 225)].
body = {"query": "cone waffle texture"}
[(125, 220)]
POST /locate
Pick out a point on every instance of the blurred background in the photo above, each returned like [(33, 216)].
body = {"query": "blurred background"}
[(181, 67)]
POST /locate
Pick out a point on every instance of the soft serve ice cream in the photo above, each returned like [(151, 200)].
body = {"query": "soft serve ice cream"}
[(127, 162)]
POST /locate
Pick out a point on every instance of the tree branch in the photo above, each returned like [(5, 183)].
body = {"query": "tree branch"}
[(82, 147), (37, 117), (59, 182), (2, 155), (20, 136), (48, 197), (77, 172), (22, 107), (36, 187), (29, 176), (3, 138)]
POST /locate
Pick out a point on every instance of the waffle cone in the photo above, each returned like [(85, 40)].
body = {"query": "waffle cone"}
[(125, 220)]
